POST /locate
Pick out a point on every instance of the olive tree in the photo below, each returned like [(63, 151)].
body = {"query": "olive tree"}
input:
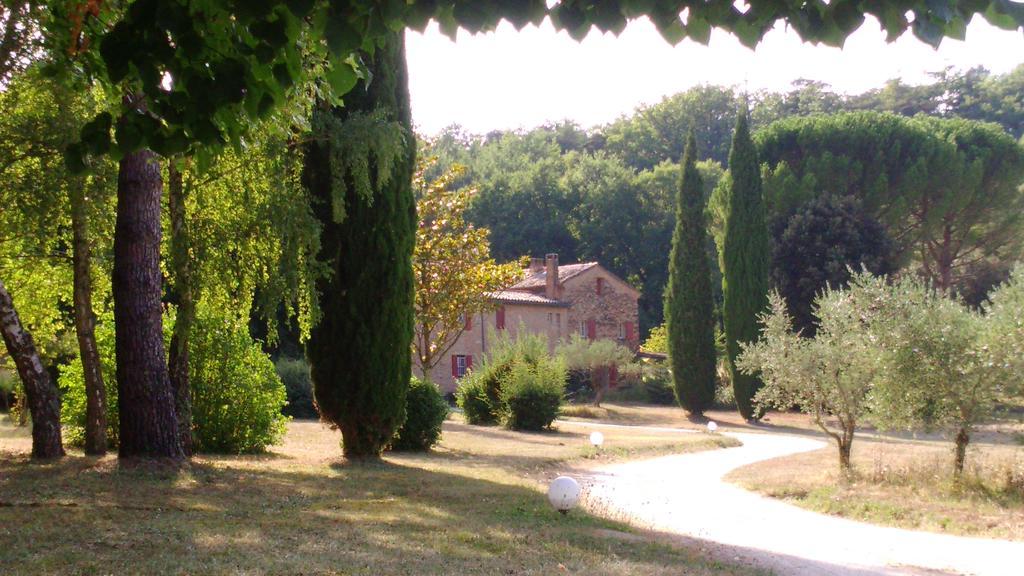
[(828, 376), (947, 366)]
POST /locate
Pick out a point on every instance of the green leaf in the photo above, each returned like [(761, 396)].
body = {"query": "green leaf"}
[(698, 29), (341, 77), (342, 38)]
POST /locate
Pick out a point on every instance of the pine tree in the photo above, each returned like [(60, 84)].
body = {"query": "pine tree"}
[(746, 253), (689, 305), (360, 178)]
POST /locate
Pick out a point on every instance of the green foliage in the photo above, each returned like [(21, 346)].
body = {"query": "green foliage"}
[(595, 357), (657, 340), (243, 62), (532, 395), (294, 374), (828, 376), (948, 365), (474, 396), (657, 133), (818, 247), (359, 352), (689, 305), (425, 411), (365, 149), (745, 256), (657, 384), (71, 382), (237, 396), (484, 393), (453, 271), (946, 189)]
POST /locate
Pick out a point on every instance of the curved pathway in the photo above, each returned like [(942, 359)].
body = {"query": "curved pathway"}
[(685, 495)]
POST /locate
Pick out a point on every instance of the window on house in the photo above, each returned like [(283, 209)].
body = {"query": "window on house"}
[(558, 321), (600, 286), (622, 331), (460, 364), (551, 318), (583, 329), (499, 318)]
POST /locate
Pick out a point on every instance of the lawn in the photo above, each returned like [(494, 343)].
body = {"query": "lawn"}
[(474, 506), (904, 483)]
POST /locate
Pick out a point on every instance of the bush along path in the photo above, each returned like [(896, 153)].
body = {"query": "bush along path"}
[(685, 495)]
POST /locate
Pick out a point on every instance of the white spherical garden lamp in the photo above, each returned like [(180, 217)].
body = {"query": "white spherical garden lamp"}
[(597, 439), (712, 426), (564, 493)]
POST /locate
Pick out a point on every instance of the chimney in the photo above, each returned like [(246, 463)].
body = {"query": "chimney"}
[(536, 265), (552, 284)]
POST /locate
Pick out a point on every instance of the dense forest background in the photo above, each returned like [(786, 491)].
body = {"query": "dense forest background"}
[(607, 193)]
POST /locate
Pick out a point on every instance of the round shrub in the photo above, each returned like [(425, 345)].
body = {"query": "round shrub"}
[(294, 373), (471, 396), (479, 392), (425, 411), (532, 395), (237, 395)]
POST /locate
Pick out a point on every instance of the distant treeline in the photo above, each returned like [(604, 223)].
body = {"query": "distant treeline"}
[(607, 193)]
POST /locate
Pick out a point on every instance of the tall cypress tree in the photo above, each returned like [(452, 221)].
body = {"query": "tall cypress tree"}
[(746, 253), (689, 304), (360, 178)]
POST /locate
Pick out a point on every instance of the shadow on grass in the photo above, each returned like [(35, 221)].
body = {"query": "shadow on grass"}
[(251, 515)]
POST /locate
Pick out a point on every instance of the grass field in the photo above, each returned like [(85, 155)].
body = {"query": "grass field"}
[(474, 506), (903, 483)]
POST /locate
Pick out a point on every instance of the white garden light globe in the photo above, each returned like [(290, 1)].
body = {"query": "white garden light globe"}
[(712, 426), (596, 438), (564, 493)]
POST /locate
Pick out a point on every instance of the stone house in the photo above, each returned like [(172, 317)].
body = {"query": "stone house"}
[(556, 301)]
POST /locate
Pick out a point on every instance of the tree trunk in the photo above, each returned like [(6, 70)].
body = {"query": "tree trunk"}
[(85, 324), (962, 439), (148, 422), (603, 375), (845, 449), (181, 292), (42, 396)]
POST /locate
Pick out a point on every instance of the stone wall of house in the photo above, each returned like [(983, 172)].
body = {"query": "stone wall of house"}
[(477, 341), (611, 310)]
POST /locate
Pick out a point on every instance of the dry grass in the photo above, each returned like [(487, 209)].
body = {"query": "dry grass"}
[(474, 506), (903, 483)]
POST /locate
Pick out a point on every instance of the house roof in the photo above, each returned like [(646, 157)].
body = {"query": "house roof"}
[(523, 297), (565, 272)]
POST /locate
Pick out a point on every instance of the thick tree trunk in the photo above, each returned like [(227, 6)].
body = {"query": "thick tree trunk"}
[(962, 439), (148, 421), (181, 265), (85, 324), (43, 400)]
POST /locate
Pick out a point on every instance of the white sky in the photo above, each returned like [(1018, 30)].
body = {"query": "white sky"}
[(508, 79)]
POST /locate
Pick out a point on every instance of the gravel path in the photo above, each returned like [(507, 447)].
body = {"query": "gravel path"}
[(685, 495)]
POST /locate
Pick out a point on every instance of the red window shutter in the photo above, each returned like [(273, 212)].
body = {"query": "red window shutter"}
[(629, 331), (613, 376), (469, 361), (455, 366), (469, 321), (499, 319), (600, 286), (591, 329)]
